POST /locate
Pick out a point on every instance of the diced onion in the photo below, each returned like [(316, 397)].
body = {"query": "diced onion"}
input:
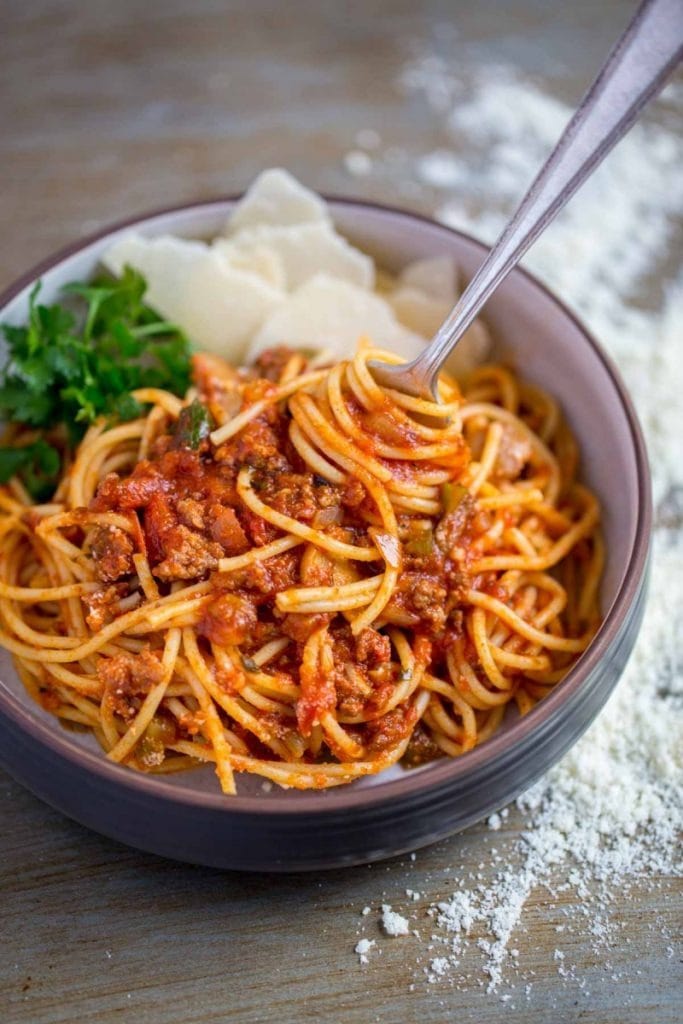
[(389, 547), (327, 517)]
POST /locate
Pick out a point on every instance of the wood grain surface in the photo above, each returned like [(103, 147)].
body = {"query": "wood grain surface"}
[(111, 108)]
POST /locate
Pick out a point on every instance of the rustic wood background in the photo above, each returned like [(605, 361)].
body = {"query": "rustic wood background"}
[(110, 108)]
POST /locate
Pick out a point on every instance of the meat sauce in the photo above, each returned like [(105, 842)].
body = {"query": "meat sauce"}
[(190, 516)]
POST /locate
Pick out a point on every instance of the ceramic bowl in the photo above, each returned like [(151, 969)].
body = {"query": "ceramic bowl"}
[(185, 816)]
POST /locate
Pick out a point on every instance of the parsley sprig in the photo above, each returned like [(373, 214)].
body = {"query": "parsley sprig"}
[(69, 366)]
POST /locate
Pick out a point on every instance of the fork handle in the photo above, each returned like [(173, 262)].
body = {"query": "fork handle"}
[(634, 72)]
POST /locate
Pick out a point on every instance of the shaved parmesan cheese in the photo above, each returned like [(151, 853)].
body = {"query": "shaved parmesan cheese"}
[(418, 311), (164, 262), (218, 306), (424, 315), (231, 298), (473, 349), (436, 277), (304, 250), (276, 197), (329, 315), (225, 306), (256, 259)]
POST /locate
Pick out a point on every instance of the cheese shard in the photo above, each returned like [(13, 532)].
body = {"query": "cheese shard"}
[(302, 251), (164, 262), (329, 316), (257, 259), (473, 349), (436, 277), (418, 311), (276, 198), (219, 307), (281, 275), (425, 294), (423, 315)]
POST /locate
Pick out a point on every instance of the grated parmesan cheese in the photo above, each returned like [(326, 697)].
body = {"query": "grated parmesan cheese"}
[(612, 810), (394, 924), (358, 163), (363, 947)]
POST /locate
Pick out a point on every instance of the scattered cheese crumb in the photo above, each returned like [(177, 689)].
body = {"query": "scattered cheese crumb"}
[(363, 947), (358, 163), (393, 923), (441, 169), (438, 967)]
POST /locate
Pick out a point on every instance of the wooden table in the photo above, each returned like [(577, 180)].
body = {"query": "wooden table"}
[(112, 108)]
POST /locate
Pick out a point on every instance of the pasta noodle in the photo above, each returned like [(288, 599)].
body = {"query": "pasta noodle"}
[(336, 578)]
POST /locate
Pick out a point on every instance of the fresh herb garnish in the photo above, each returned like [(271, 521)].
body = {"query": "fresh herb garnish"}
[(69, 369), (193, 426), (37, 464)]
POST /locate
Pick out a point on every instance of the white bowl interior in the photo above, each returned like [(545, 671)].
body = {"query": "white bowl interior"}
[(531, 331)]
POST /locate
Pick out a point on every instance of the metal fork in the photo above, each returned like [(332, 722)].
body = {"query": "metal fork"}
[(635, 71)]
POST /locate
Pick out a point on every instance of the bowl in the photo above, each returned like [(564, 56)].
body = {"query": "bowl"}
[(186, 817)]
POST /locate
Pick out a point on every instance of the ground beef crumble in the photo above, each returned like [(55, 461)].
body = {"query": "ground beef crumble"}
[(112, 551), (128, 677)]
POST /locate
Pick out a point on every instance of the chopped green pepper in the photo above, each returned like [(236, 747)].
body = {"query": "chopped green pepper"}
[(422, 544), (451, 496)]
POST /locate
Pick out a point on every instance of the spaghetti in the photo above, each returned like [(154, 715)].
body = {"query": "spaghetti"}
[(327, 578)]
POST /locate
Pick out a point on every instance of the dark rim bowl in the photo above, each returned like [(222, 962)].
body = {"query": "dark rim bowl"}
[(285, 831)]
